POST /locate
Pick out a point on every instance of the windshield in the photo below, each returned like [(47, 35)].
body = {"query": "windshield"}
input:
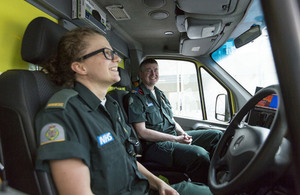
[(251, 65)]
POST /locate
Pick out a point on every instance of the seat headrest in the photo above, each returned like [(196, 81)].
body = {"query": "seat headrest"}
[(40, 40), (125, 79)]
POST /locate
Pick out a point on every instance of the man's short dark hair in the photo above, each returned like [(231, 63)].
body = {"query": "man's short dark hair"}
[(147, 61)]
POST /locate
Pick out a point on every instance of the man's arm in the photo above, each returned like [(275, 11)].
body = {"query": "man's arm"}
[(178, 128), (180, 131), (156, 183), (71, 176), (155, 136)]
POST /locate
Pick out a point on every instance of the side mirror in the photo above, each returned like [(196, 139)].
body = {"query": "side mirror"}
[(247, 36), (222, 111)]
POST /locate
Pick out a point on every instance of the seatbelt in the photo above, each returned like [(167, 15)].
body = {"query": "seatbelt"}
[(134, 148), (4, 188)]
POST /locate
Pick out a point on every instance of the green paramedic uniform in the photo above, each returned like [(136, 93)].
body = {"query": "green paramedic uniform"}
[(74, 124), (157, 114)]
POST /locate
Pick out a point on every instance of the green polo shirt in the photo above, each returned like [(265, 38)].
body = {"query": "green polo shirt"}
[(155, 112), (74, 124)]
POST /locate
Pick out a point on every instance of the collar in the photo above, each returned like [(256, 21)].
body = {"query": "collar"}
[(89, 97), (148, 91)]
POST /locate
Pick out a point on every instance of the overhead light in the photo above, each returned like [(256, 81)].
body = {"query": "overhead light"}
[(169, 33), (118, 12)]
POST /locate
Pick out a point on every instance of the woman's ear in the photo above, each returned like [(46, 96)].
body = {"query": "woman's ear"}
[(79, 68)]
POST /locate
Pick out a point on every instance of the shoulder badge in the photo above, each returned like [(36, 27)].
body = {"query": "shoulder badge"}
[(130, 101), (59, 99), (52, 132)]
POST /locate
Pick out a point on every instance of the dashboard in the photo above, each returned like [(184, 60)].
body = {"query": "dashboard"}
[(264, 112)]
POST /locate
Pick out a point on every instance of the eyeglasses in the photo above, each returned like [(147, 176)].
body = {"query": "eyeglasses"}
[(108, 54)]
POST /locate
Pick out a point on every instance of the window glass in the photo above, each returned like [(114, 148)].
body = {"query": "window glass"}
[(178, 80), (252, 65), (211, 90)]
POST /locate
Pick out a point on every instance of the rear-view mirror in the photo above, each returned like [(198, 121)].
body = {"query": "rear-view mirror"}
[(247, 36)]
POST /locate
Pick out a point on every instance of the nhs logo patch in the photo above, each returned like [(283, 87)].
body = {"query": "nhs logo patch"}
[(105, 138)]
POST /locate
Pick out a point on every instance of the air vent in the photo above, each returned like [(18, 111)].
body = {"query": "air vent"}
[(118, 12)]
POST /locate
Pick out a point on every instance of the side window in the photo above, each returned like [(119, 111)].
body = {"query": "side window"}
[(215, 97), (178, 80)]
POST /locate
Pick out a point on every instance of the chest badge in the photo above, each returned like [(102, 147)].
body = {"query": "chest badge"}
[(105, 138)]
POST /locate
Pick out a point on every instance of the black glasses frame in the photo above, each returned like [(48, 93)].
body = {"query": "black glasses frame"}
[(111, 57)]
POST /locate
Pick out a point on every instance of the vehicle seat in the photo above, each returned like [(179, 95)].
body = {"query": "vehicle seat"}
[(121, 90), (121, 95), (23, 93)]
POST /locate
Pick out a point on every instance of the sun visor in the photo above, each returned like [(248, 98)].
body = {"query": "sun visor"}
[(196, 47), (211, 7), (197, 29), (180, 23)]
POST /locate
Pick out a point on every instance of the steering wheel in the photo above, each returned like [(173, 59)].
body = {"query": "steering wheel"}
[(245, 153)]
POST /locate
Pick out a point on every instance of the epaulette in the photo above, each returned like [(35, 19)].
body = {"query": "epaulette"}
[(133, 91), (60, 99), (137, 90)]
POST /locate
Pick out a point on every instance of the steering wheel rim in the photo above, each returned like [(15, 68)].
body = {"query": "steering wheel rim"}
[(252, 148)]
